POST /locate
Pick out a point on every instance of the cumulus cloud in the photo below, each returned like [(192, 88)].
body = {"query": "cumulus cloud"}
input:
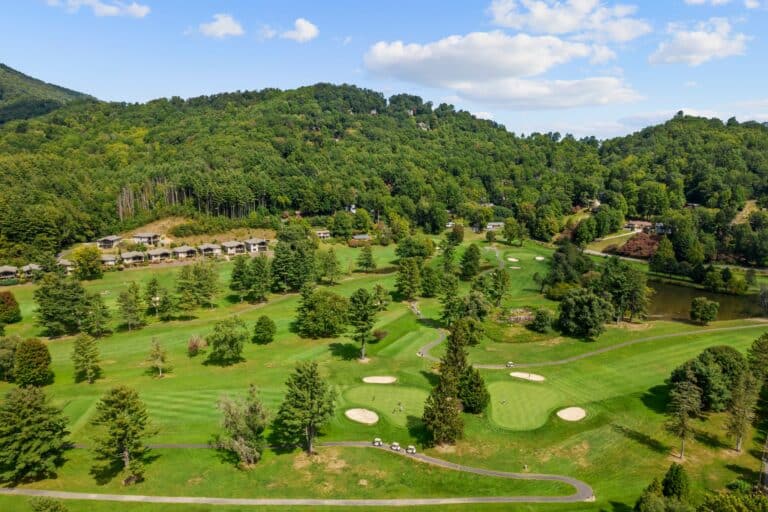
[(749, 4), (223, 25), (473, 57), (588, 19), (522, 94), (496, 68), (712, 39), (710, 2), (104, 8), (303, 31)]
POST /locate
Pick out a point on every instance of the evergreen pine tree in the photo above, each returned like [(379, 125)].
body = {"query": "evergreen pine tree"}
[(32, 363), (261, 279), (152, 295), (362, 315), (240, 281), (32, 436), (264, 330), (123, 424), (470, 262), (675, 483), (365, 261), (129, 302), (307, 407), (96, 316), (85, 358), (408, 279), (442, 417)]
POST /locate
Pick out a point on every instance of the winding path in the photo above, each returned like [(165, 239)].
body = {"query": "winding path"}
[(424, 352), (583, 491)]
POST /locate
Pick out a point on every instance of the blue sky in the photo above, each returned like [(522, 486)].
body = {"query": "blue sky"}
[(586, 67)]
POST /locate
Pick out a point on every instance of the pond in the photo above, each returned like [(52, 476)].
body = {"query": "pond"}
[(673, 302)]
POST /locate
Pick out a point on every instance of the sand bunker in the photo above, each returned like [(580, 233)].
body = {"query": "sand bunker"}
[(363, 416), (514, 268), (380, 379), (528, 376), (572, 414), (539, 258), (513, 259)]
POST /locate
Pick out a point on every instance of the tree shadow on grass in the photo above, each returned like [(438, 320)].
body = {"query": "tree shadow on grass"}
[(641, 438), (710, 440), (617, 507), (432, 378), (417, 430), (656, 398), (104, 473), (430, 322), (233, 298), (346, 351), (746, 474), (222, 362)]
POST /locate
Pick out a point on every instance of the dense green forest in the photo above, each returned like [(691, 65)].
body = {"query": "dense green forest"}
[(22, 96), (89, 168)]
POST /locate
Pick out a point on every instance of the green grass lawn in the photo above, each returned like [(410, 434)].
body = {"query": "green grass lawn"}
[(618, 448)]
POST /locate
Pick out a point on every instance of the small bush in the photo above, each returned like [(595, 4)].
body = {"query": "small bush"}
[(264, 331), (9, 309), (196, 345), (542, 321), (559, 290), (379, 334)]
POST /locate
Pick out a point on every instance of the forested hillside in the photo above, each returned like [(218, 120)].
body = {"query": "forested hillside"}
[(22, 96), (90, 168)]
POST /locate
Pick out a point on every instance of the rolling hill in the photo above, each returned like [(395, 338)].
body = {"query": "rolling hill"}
[(22, 96)]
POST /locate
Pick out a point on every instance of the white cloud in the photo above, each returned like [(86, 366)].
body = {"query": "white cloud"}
[(708, 40), (475, 57), (588, 19), (602, 54), (691, 84), (521, 94), (223, 25), (267, 32), (303, 31), (703, 2), (483, 115), (104, 8), (749, 4), (496, 68)]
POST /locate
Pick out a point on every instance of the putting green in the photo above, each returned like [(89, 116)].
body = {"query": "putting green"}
[(387, 401), (522, 405)]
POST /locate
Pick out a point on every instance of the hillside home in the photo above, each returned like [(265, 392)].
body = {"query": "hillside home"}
[(233, 247), (159, 255), (31, 269), (108, 242), (8, 272), (365, 237), (210, 250), (494, 226), (132, 257), (146, 238), (66, 265), (323, 234), (184, 252), (256, 245), (108, 260)]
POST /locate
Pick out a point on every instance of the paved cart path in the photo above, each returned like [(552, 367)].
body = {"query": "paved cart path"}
[(583, 492)]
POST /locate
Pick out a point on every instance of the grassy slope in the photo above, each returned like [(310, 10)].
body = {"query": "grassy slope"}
[(617, 449)]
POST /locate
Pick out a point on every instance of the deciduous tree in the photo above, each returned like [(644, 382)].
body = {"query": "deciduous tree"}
[(227, 340), (243, 421)]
